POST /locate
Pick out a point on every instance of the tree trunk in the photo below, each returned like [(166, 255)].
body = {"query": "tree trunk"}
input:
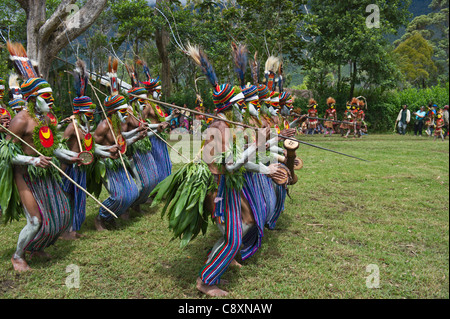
[(353, 80), (162, 40), (47, 37)]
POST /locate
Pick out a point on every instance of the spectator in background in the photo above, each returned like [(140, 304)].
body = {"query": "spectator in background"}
[(403, 118), (429, 121), (446, 121), (420, 117)]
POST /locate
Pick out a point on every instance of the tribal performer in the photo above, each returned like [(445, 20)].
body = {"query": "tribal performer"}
[(221, 182), (439, 125), (80, 140), (143, 165), (33, 187), (347, 121), (112, 143), (354, 104), (312, 112), (331, 115), (156, 116)]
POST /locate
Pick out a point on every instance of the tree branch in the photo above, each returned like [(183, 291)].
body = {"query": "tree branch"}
[(54, 21)]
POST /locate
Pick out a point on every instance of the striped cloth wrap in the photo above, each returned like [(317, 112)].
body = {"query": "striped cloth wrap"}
[(122, 193), (161, 156), (54, 208), (146, 174), (76, 196)]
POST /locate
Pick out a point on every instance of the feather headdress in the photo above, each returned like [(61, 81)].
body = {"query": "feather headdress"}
[(23, 65), (254, 68), (112, 74), (133, 76), (145, 68), (330, 100), (14, 87), (271, 67), (199, 57), (81, 78), (240, 59), (354, 101)]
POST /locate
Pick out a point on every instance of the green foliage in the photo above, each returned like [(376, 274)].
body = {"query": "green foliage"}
[(415, 59)]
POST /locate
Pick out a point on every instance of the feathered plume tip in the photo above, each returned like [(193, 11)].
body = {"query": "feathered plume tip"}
[(330, 100), (200, 58), (81, 78), (112, 74), (14, 87), (27, 68), (240, 61), (146, 69), (133, 76), (16, 50), (272, 64), (312, 101), (254, 68)]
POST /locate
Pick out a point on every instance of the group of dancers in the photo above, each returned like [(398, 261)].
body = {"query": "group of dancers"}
[(49, 167)]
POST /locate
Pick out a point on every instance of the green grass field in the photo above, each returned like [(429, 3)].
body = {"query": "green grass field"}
[(343, 215)]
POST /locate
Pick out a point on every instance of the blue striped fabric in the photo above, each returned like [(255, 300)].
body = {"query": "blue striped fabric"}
[(252, 191), (148, 175), (161, 157), (54, 208), (122, 193), (77, 197), (280, 191), (228, 209)]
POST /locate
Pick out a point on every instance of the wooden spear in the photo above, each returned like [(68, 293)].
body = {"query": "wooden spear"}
[(61, 171)]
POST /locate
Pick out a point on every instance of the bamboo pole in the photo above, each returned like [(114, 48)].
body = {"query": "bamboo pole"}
[(61, 171)]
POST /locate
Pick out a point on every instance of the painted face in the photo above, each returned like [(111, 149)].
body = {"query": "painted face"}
[(332, 106), (348, 107), (237, 113), (44, 102), (439, 116), (123, 114), (157, 94), (252, 109), (2, 91), (315, 106)]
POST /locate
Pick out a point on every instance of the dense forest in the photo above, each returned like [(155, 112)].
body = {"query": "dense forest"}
[(393, 53)]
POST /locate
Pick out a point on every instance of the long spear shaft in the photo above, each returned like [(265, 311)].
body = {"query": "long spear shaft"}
[(61, 171), (248, 126), (319, 118), (112, 131)]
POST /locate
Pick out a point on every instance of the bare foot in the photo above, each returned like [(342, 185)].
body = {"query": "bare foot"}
[(20, 264), (99, 224), (212, 291), (125, 216), (235, 263), (69, 235)]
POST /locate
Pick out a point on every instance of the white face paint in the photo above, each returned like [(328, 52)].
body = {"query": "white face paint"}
[(272, 111), (141, 106), (42, 106), (253, 111), (156, 95), (122, 117), (237, 113)]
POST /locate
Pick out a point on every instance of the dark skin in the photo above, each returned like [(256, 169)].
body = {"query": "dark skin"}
[(219, 145), (23, 126)]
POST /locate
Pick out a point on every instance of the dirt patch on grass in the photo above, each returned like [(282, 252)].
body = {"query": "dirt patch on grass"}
[(6, 285)]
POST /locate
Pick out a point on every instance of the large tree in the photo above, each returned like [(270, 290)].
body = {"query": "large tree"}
[(48, 35), (346, 38)]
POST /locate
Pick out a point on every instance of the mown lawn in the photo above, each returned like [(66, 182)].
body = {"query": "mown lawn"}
[(343, 215)]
